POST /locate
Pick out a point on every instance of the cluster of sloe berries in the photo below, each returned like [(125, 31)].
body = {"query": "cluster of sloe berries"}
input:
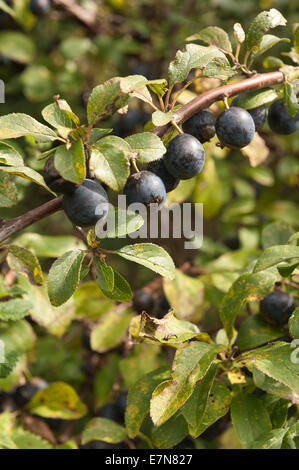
[(184, 158)]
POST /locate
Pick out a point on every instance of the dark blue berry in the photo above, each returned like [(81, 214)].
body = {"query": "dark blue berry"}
[(201, 126), (143, 300), (146, 188), (277, 307), (279, 119), (24, 393), (235, 127), (158, 167), (40, 7), (185, 157), (108, 411), (258, 114), (86, 204)]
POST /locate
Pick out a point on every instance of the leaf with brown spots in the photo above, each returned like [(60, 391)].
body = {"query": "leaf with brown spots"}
[(22, 260), (58, 400), (139, 396)]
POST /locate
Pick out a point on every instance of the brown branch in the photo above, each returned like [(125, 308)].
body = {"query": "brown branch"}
[(217, 94), (83, 15), (10, 227)]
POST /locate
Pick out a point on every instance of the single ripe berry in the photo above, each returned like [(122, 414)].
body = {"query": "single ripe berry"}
[(279, 119), (277, 307), (201, 126), (108, 411), (146, 188), (185, 157), (54, 180), (40, 7), (158, 167), (143, 301), (235, 127), (87, 204), (161, 306), (121, 405), (258, 114)]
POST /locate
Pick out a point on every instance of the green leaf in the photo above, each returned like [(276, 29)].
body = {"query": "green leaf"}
[(103, 429), (16, 125), (254, 331), (147, 146), (191, 363), (10, 361), (260, 25), (279, 413), (184, 293), (14, 309), (139, 396), (64, 276), (276, 362), (8, 190), (266, 43), (22, 260), (17, 336), (141, 360), (111, 329), (194, 56), (246, 287), (167, 330), (217, 406), (55, 319), (273, 387), (70, 163), (218, 68), (214, 36), (290, 98), (27, 440), (171, 433), (275, 255), (271, 440), (97, 133), (17, 46), (49, 246), (104, 380), (105, 100), (250, 418), (58, 400), (121, 292), (90, 302), (294, 324), (9, 155), (105, 275), (27, 173), (256, 98), (109, 161), (276, 233), (194, 408), (151, 256), (60, 116), (159, 118)]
